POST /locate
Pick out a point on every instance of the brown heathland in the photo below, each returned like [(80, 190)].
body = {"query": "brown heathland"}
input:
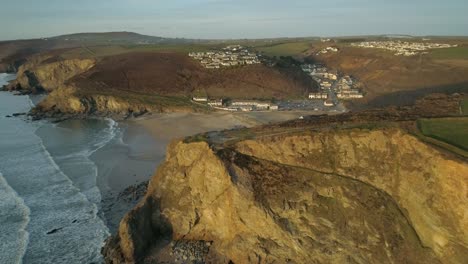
[(175, 74), (384, 74)]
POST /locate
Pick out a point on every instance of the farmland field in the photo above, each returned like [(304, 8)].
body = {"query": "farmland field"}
[(464, 106), (285, 49), (450, 53), (450, 130)]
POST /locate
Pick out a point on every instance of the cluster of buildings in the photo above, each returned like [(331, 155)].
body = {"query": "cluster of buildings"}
[(237, 105), (345, 88), (331, 83), (403, 48), (233, 55), (323, 76), (327, 50), (252, 105)]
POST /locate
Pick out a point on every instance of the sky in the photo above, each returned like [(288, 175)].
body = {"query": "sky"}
[(216, 19)]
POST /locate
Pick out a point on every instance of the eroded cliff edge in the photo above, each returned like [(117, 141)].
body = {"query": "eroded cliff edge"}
[(57, 77), (347, 195)]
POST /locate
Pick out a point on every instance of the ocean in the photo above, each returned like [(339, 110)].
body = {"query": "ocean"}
[(50, 194)]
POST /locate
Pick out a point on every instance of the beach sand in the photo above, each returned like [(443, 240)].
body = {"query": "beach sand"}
[(166, 127), (142, 149), (127, 160)]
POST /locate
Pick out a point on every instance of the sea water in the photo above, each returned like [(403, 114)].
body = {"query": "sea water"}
[(49, 198)]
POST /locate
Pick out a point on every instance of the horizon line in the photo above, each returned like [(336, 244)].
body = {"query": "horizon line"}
[(233, 39)]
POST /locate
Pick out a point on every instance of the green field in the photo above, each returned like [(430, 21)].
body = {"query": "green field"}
[(450, 53), (450, 130), (109, 50), (269, 47), (285, 49), (464, 106)]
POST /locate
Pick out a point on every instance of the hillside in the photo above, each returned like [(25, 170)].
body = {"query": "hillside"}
[(142, 82), (177, 74), (354, 188), (14, 53), (396, 80)]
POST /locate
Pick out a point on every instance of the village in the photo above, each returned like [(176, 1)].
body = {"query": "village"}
[(327, 50), (233, 55), (332, 85), (403, 48)]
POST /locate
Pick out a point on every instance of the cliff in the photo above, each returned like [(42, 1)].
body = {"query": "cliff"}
[(71, 102), (46, 73), (315, 196), (136, 83)]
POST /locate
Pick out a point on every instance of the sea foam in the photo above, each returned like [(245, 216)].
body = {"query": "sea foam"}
[(62, 224)]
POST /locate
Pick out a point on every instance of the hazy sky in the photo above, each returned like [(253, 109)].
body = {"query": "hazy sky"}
[(233, 18)]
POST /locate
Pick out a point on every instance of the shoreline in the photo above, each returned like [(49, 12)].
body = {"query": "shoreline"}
[(129, 160), (166, 127), (121, 163)]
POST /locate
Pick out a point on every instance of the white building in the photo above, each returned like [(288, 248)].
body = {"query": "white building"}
[(318, 95), (200, 99), (215, 103), (274, 107)]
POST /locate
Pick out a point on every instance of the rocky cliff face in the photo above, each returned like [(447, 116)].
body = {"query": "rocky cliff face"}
[(55, 76), (42, 73), (346, 196), (65, 102)]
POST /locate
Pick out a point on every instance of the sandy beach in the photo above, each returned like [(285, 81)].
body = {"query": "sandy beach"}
[(166, 127), (133, 157)]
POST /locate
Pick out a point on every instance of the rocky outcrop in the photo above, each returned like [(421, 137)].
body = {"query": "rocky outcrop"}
[(42, 73), (69, 97), (70, 102), (342, 196), (65, 102)]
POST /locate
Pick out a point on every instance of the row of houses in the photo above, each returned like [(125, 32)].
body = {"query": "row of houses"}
[(237, 105), (352, 94), (319, 95), (403, 48), (251, 105), (230, 56)]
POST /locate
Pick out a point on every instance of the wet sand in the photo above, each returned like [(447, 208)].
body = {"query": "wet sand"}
[(130, 159)]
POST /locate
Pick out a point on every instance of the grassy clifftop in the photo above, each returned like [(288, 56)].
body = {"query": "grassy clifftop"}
[(450, 130)]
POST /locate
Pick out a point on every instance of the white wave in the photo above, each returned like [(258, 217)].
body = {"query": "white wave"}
[(14, 219), (64, 226), (79, 156), (6, 77)]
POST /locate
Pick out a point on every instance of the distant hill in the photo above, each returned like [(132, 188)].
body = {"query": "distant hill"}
[(118, 38), (14, 52)]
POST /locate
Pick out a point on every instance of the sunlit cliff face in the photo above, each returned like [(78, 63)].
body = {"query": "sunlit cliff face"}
[(350, 195)]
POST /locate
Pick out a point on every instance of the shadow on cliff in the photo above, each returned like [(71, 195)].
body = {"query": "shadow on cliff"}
[(145, 231)]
